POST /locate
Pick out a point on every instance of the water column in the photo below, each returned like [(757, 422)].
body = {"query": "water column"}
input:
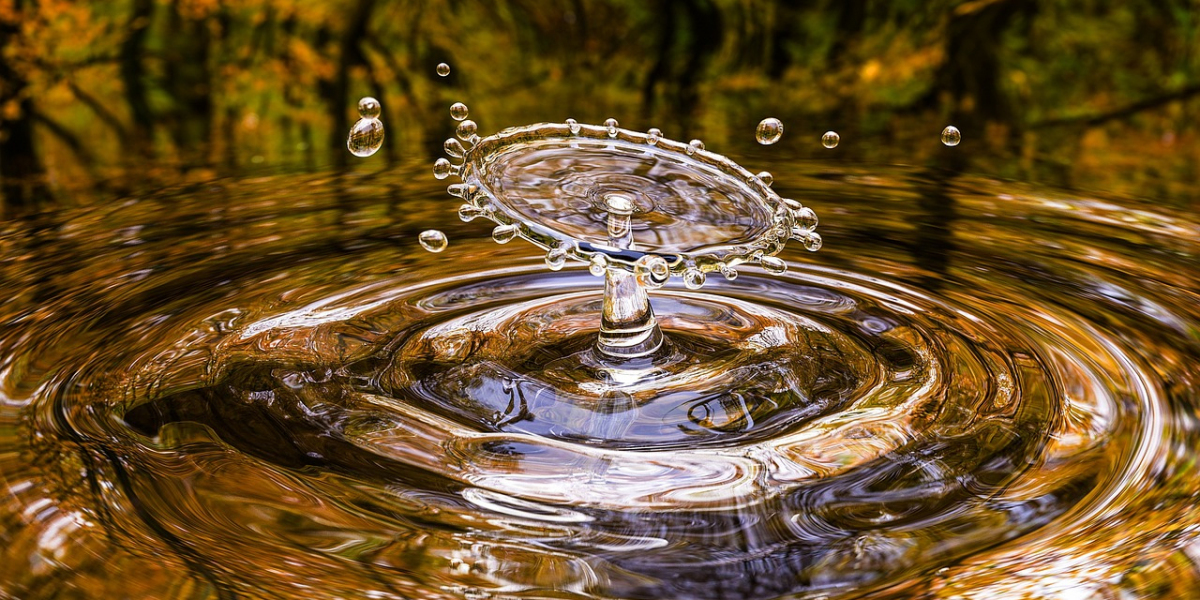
[(628, 328)]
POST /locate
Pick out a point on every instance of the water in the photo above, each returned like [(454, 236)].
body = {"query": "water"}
[(231, 389), (459, 111), (831, 139), (769, 131), (433, 240), (951, 136), (443, 69)]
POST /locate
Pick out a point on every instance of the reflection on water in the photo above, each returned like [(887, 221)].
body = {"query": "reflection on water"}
[(249, 389)]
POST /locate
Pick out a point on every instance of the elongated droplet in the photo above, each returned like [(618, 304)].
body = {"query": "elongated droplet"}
[(766, 177), (693, 146), (368, 108), (813, 242), (366, 137), (611, 125), (769, 131), (504, 234), (830, 139), (443, 69), (573, 125), (773, 265), (653, 136), (432, 240), (693, 279), (466, 130), (441, 168), (469, 212), (453, 148), (951, 136)]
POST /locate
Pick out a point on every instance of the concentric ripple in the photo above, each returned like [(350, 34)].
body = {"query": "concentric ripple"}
[(980, 391)]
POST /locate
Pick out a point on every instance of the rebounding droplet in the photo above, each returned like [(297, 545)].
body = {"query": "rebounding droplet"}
[(693, 146), (441, 168), (653, 136), (366, 137), (693, 279), (769, 131), (611, 125), (766, 177), (830, 139), (443, 69), (573, 125), (466, 130), (951, 136), (432, 240), (368, 108), (458, 111)]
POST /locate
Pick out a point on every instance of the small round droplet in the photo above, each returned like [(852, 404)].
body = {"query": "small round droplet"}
[(693, 146), (458, 111), (766, 177), (693, 279), (813, 242), (769, 131), (441, 168), (830, 139), (611, 126), (598, 264), (432, 240), (466, 130), (653, 136), (443, 69), (366, 137), (573, 125), (453, 148), (773, 264), (951, 136), (556, 257), (368, 108), (806, 218), (503, 234)]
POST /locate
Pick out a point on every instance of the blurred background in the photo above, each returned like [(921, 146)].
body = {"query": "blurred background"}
[(100, 100)]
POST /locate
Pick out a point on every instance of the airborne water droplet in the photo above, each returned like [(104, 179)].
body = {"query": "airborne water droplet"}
[(611, 125), (693, 146), (443, 69), (653, 136), (769, 131), (366, 137), (458, 111), (813, 242), (951, 136), (830, 139), (368, 108), (432, 240), (466, 130)]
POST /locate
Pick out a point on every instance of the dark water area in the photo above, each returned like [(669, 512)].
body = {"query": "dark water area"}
[(229, 369)]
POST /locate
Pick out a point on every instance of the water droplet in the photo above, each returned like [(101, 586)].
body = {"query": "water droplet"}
[(573, 125), (769, 131), (598, 264), (466, 130), (458, 111), (729, 272), (469, 212), (693, 278), (504, 234), (951, 136), (792, 204), (432, 240), (453, 148), (368, 108), (443, 69), (556, 257), (693, 146), (611, 125), (830, 139), (813, 242), (766, 177), (653, 136), (773, 264), (441, 168), (458, 190), (806, 218), (652, 271), (366, 137)]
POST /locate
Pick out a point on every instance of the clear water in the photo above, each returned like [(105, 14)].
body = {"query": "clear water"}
[(248, 389)]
